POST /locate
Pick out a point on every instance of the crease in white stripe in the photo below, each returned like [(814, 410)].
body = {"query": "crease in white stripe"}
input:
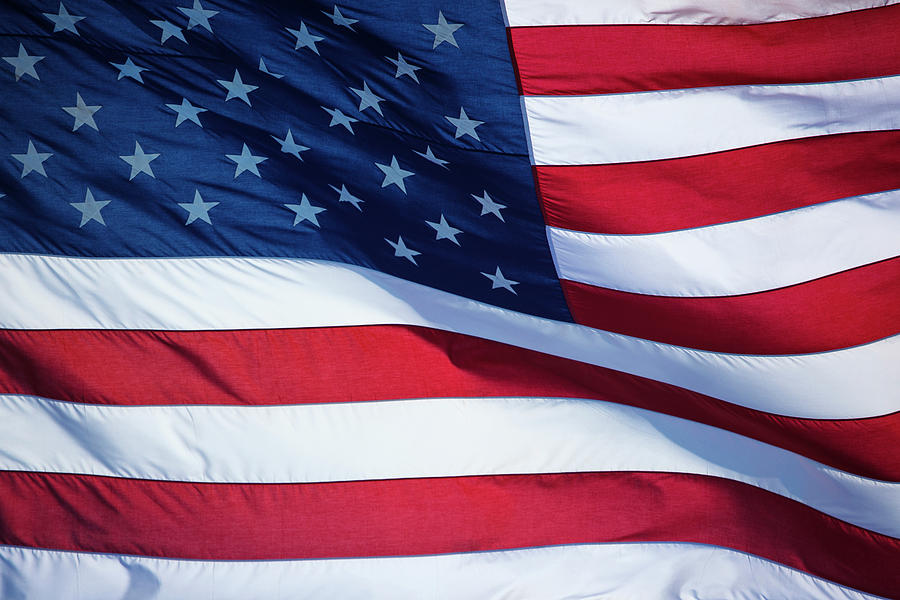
[(525, 13), (444, 437), (52, 292), (618, 128), (624, 570), (741, 257)]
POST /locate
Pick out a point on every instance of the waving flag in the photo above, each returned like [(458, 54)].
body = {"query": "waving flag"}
[(535, 299)]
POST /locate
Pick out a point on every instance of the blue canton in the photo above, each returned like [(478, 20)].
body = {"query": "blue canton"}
[(392, 140)]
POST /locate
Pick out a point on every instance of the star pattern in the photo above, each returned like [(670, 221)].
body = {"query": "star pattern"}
[(289, 146), (237, 88), (415, 113), (443, 31), (140, 162), (304, 38), (198, 16), (265, 69), (24, 63), (129, 69), (84, 114), (430, 157), (394, 175), (63, 21), (305, 211), (32, 160), (245, 161), (464, 125), (346, 196), (368, 99), (90, 209), (404, 68), (340, 20), (489, 206), (444, 230), (198, 209), (402, 251), (168, 30), (339, 118), (498, 281), (186, 112)]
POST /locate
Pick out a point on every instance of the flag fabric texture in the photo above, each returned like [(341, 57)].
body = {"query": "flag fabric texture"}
[(449, 300)]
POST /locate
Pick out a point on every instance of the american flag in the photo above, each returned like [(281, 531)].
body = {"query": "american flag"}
[(452, 300)]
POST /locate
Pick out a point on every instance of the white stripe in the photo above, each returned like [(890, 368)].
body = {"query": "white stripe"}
[(444, 437), (683, 12), (616, 128), (54, 292), (742, 257), (640, 570)]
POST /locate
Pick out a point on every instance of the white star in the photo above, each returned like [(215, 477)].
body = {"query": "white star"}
[(368, 99), (393, 174), (404, 68), (340, 20), (84, 114), (339, 118), (198, 16), (265, 69), (305, 211), (24, 63), (32, 160), (90, 209), (443, 31), (168, 30), (186, 112), (246, 162), (430, 157), (63, 21), (499, 281), (304, 38), (289, 146), (489, 206), (445, 231), (129, 69), (464, 125), (346, 196), (401, 251), (198, 209), (140, 162), (237, 88)]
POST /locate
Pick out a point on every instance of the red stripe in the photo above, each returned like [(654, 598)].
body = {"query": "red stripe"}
[(666, 195), (592, 59), (433, 516), (845, 309), (384, 363)]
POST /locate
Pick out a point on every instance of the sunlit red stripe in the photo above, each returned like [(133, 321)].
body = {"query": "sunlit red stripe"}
[(696, 191), (842, 310), (375, 363), (433, 516), (591, 59)]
